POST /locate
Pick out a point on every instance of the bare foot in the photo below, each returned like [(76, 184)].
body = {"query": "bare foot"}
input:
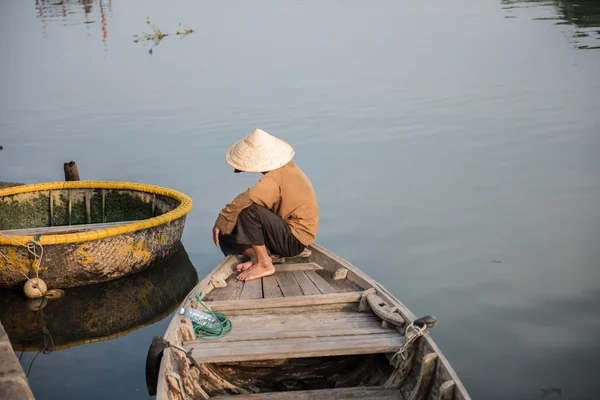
[(257, 271), (244, 266)]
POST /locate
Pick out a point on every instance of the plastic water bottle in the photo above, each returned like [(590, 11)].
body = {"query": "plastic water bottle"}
[(199, 317)]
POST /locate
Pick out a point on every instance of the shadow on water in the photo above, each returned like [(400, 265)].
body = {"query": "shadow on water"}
[(98, 312), (583, 15)]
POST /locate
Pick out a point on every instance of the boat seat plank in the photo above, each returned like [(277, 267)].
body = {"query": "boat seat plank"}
[(307, 325), (294, 348), (252, 290), (307, 286), (309, 266), (288, 284), (375, 393), (271, 287), (294, 301), (322, 284), (55, 230)]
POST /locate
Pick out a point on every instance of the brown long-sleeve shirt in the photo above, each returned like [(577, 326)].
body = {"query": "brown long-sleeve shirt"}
[(287, 192)]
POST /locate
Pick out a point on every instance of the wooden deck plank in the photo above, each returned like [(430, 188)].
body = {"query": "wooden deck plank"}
[(307, 286), (375, 393), (310, 266), (271, 287), (252, 290), (339, 307), (295, 301), (288, 284), (255, 336), (276, 326), (295, 348), (322, 284)]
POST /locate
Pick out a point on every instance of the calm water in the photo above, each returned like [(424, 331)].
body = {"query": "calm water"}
[(453, 147)]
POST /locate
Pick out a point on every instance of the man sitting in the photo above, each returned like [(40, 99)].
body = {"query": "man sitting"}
[(279, 214)]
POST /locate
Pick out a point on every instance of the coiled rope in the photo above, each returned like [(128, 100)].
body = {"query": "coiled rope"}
[(206, 333)]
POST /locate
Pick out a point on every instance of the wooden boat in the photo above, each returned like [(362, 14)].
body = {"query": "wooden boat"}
[(99, 312), (86, 231), (319, 328)]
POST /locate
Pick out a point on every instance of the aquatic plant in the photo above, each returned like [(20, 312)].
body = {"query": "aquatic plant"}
[(158, 35)]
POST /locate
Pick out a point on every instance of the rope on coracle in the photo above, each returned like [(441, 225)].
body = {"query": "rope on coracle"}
[(32, 249), (207, 333)]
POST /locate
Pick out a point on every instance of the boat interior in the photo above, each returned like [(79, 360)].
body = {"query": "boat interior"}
[(313, 330)]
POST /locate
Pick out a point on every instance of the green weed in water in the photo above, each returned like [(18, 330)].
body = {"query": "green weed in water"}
[(158, 35)]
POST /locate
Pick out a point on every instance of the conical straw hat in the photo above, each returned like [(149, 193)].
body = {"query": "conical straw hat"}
[(259, 152)]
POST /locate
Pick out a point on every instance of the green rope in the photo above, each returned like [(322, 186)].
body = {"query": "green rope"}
[(206, 333)]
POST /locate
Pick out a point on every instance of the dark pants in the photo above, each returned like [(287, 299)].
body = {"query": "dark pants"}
[(257, 225)]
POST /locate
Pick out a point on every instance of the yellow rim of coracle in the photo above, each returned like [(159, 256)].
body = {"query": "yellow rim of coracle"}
[(184, 207)]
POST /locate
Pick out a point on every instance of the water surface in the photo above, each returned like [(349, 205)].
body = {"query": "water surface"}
[(453, 148)]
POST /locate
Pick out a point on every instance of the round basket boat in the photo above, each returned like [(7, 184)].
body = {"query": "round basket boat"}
[(86, 231)]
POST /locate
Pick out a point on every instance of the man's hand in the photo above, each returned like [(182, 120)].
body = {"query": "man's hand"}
[(216, 232)]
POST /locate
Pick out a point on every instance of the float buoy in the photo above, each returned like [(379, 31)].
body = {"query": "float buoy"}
[(35, 288)]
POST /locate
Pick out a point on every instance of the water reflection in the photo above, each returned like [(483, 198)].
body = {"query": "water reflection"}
[(70, 12), (582, 15), (99, 312)]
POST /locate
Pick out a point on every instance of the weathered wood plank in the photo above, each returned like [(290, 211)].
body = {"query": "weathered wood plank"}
[(274, 326), (103, 205), (446, 391), (47, 230), (70, 206), (253, 336), (295, 301), (375, 393), (320, 283), (232, 291), (295, 348), (310, 266), (271, 287), (418, 384), (307, 286), (51, 222), (88, 206), (287, 283), (339, 307), (252, 290)]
